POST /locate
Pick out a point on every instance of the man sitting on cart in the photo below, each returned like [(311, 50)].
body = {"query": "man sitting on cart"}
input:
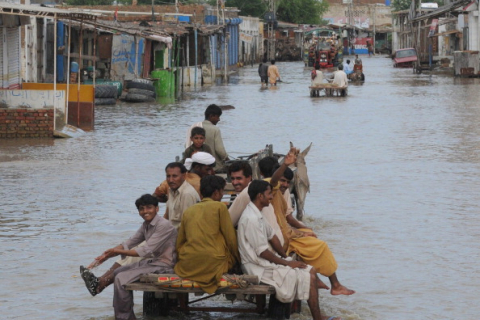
[(317, 76), (357, 64), (347, 67)]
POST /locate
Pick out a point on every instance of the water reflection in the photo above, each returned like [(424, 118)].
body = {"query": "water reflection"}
[(393, 171)]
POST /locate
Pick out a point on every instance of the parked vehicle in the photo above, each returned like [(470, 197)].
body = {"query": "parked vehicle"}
[(404, 58)]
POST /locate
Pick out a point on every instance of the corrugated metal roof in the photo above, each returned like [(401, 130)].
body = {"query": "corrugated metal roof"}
[(42, 11), (151, 28)]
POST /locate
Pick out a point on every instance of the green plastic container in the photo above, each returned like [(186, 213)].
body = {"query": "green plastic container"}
[(164, 83), (117, 84)]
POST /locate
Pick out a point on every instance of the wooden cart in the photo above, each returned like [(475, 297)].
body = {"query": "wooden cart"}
[(159, 298), (328, 91)]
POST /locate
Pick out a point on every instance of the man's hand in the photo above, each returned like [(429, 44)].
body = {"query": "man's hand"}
[(296, 264), (291, 157), (98, 261), (161, 197)]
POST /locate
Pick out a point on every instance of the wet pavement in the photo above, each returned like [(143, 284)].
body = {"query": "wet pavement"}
[(394, 190)]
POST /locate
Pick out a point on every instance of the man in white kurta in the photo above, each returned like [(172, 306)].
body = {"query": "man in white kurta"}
[(340, 77), (241, 202), (253, 238), (291, 279)]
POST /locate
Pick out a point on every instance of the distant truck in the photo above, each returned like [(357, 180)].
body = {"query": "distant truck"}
[(323, 54)]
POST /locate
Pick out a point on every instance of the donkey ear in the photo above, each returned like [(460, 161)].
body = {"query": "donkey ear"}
[(305, 152), (291, 145)]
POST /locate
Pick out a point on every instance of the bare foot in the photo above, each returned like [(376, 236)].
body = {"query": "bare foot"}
[(322, 285), (340, 289)]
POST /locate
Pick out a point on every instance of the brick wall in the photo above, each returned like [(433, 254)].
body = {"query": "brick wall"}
[(26, 123)]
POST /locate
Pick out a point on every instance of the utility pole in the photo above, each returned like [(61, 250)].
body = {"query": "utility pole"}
[(225, 42), (272, 17), (374, 24), (153, 12), (351, 22)]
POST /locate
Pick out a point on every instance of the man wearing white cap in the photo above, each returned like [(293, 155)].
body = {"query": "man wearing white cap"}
[(202, 164), (199, 165)]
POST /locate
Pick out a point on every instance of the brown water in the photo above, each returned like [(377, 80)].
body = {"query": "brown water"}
[(394, 191)]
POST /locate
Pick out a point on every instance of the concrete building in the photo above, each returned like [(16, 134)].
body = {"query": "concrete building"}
[(361, 22), (251, 40)]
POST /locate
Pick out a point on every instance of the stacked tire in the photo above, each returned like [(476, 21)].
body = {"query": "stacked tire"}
[(140, 90), (105, 94)]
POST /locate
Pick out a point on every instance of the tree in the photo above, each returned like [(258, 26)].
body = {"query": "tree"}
[(398, 5), (254, 8), (302, 11), (294, 11)]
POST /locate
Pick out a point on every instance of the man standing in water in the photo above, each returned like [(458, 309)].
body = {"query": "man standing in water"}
[(263, 72), (273, 74), (158, 253)]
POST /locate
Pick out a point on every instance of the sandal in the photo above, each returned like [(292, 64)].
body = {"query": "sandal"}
[(91, 282)]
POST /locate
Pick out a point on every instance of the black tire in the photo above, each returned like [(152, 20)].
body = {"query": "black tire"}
[(139, 85), (418, 70), (139, 80), (106, 91), (134, 97), (147, 93), (105, 101)]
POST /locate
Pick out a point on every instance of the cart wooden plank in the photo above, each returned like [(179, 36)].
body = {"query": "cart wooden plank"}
[(155, 287), (328, 91)]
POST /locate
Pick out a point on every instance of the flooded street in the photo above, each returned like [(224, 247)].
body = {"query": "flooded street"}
[(394, 172)]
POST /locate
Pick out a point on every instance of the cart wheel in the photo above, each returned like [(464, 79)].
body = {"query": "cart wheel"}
[(418, 70)]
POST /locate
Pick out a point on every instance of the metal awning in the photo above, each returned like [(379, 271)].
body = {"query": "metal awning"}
[(43, 12), (442, 10)]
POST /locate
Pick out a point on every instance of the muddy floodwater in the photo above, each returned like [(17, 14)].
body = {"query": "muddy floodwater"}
[(394, 172)]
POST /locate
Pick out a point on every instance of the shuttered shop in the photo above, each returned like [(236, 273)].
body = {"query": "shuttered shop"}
[(10, 56), (13, 35)]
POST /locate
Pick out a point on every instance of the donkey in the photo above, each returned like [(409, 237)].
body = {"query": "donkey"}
[(301, 183)]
